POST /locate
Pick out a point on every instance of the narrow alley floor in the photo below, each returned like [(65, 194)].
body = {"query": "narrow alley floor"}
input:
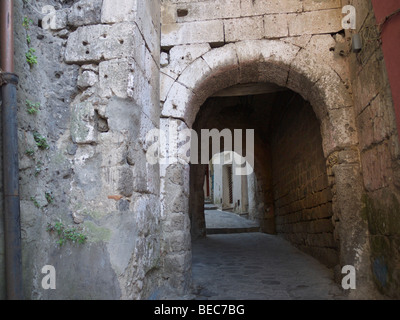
[(255, 266), (221, 222)]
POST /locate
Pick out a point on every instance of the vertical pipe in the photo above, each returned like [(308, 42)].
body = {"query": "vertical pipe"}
[(12, 225), (7, 35)]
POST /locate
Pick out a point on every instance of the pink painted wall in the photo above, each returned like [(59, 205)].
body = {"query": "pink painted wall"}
[(391, 46)]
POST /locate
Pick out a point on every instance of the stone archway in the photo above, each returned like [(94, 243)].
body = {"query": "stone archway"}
[(306, 73)]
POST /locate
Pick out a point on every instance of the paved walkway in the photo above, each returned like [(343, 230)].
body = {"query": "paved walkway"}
[(256, 266), (220, 222)]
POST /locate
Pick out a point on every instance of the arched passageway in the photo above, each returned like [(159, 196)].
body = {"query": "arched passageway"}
[(323, 95), (290, 192)]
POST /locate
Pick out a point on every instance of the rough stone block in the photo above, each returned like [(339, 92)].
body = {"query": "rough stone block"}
[(276, 26), (244, 29), (112, 150), (349, 191), (114, 77), (202, 10), (124, 117), (87, 79), (211, 31), (176, 104), (177, 221), (365, 83), (177, 264), (194, 74), (221, 58), (181, 56), (348, 156), (59, 21), (316, 22), (96, 43), (330, 92), (85, 12), (300, 41), (125, 184), (82, 123), (376, 167), (307, 66), (153, 179), (166, 83), (266, 61), (175, 199), (173, 154), (327, 49), (144, 91), (375, 123), (177, 241), (338, 130), (252, 8), (313, 5), (168, 14), (148, 21), (124, 11)]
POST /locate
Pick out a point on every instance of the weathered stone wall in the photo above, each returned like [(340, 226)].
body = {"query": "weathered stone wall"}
[(97, 83), (42, 171), (379, 146), (303, 198), (224, 21)]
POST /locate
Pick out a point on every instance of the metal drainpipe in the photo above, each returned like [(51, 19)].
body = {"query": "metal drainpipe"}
[(12, 224)]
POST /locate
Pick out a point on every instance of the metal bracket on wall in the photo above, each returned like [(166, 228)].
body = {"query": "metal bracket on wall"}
[(7, 77)]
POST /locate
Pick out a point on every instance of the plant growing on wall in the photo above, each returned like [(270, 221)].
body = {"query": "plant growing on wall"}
[(38, 169), (66, 234), (49, 197), (35, 202), (26, 23), (31, 58), (30, 152), (32, 107), (41, 141)]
